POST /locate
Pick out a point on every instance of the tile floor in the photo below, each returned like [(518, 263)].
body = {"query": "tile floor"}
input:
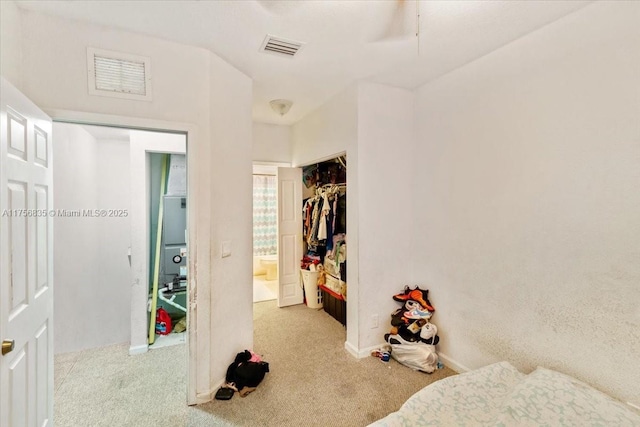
[(263, 289)]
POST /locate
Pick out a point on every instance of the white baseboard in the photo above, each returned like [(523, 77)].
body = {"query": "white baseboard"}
[(138, 349), (205, 397), (209, 395), (448, 361), (361, 354), (453, 364), (351, 349)]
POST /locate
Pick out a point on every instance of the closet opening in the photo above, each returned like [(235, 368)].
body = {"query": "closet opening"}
[(168, 249), (324, 232)]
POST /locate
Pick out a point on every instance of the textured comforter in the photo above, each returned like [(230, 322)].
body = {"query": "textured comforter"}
[(499, 395)]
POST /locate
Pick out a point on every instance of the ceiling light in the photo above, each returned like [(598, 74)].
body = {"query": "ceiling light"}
[(281, 106)]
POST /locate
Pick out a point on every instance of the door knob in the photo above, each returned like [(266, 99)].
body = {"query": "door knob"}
[(7, 346)]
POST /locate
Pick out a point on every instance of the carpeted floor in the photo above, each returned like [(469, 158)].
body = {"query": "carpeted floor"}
[(313, 381)]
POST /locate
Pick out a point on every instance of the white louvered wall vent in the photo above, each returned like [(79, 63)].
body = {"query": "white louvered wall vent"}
[(119, 75), (281, 47)]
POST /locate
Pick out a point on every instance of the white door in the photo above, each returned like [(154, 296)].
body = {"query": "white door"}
[(289, 236), (26, 264)]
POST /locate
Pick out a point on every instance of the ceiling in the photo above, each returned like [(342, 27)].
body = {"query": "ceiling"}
[(345, 40)]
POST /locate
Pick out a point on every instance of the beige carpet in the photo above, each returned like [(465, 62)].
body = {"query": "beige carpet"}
[(313, 381)]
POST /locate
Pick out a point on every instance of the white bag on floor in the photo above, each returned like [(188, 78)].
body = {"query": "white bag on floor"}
[(418, 356)]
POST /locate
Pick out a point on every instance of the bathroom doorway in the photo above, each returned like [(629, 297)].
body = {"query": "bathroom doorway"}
[(265, 229)]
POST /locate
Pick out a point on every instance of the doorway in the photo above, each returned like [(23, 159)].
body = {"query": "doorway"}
[(265, 231), (101, 173)]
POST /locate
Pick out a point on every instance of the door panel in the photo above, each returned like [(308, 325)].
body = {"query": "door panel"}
[(18, 245), (17, 134), (18, 388), (26, 268), (42, 240), (43, 352), (289, 236)]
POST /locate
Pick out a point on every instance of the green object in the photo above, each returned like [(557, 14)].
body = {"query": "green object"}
[(156, 263)]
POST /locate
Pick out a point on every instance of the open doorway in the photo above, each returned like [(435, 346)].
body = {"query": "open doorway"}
[(168, 248), (100, 174), (265, 231)]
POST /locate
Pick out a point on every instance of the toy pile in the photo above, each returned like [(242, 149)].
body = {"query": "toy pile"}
[(413, 337)]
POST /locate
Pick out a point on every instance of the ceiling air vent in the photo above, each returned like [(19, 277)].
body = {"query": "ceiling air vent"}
[(280, 46), (118, 74)]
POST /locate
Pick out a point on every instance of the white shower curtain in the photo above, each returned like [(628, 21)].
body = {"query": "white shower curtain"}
[(264, 215)]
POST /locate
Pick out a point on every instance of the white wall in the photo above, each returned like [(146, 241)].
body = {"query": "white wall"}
[(10, 43), (231, 210), (327, 131), (195, 90), (330, 130), (271, 143), (91, 269), (526, 201), (385, 205)]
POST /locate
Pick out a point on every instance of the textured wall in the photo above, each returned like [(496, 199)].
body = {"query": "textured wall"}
[(527, 209), (91, 268), (10, 43), (385, 120), (271, 143)]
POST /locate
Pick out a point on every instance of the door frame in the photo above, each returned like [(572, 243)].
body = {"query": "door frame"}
[(139, 295)]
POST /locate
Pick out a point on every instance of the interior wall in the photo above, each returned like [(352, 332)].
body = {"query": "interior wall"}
[(333, 129), (231, 215), (385, 201), (271, 143), (329, 130), (10, 43), (91, 269), (526, 201), (192, 89)]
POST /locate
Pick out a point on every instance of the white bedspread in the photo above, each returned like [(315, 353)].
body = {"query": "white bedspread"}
[(499, 395)]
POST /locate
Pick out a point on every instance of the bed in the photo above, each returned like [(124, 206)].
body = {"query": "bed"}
[(500, 395)]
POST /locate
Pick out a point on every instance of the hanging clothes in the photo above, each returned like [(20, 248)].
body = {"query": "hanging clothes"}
[(341, 215), (324, 216), (313, 230)]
